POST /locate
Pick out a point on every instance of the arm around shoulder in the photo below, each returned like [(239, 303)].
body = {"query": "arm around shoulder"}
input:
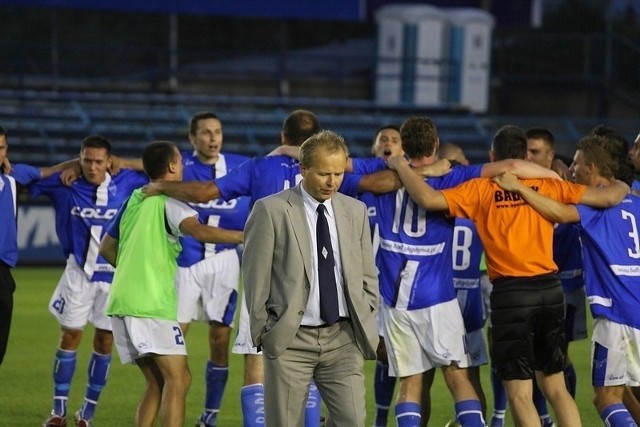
[(73, 164), (118, 163), (380, 182), (421, 192), (605, 197), (191, 191), (520, 168), (550, 209), (190, 226)]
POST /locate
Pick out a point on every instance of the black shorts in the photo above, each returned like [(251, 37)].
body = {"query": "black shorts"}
[(527, 319)]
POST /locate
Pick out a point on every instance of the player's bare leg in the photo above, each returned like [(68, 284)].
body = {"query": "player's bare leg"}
[(427, 382), (468, 407), (149, 405), (631, 402), (177, 380), (555, 390)]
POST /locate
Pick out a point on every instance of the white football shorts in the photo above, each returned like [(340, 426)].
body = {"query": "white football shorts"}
[(243, 343), (208, 290), (615, 354), (77, 300), (137, 337), (419, 340)]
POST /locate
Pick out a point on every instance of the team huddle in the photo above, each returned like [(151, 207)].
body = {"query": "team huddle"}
[(408, 275)]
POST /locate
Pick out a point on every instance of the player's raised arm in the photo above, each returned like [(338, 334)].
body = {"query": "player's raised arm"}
[(192, 191), (439, 168), (207, 234), (520, 168), (72, 164), (605, 197), (550, 209), (292, 151), (421, 192), (379, 182), (119, 163)]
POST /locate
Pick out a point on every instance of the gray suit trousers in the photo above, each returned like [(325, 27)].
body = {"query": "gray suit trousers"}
[(328, 355)]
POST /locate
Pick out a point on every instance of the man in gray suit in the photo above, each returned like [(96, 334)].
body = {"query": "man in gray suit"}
[(312, 292)]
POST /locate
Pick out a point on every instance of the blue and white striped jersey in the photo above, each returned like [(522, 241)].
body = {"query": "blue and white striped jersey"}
[(611, 250), (231, 214), (467, 251), (414, 258), (83, 210), (262, 176)]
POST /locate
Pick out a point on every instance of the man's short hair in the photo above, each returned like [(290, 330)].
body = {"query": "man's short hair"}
[(619, 146), (453, 153), (330, 141), (202, 115), (419, 136), (543, 134), (156, 158), (385, 127), (510, 142), (3, 131), (617, 140), (599, 151), (96, 141), (299, 126)]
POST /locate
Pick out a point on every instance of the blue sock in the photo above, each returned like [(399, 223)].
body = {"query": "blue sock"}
[(499, 394), (97, 374), (469, 413), (408, 414), (216, 381), (570, 379), (497, 419), (252, 399), (312, 411), (546, 421), (540, 402), (616, 415), (64, 365), (383, 386)]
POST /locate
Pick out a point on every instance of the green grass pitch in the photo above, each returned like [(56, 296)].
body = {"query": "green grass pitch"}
[(26, 378)]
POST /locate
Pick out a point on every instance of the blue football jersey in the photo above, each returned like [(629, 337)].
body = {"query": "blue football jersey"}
[(414, 259), (369, 200), (82, 211), (262, 176), (611, 251), (635, 185), (467, 251), (567, 254), (23, 175), (230, 214)]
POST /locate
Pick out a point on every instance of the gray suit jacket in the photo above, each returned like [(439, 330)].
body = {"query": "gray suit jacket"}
[(277, 270)]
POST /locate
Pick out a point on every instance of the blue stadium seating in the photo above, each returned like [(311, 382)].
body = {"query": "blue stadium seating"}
[(46, 127)]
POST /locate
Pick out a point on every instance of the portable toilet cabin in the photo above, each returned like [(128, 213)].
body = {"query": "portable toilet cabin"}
[(412, 50), (469, 58)]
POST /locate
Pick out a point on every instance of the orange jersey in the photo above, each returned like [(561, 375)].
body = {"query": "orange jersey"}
[(517, 240)]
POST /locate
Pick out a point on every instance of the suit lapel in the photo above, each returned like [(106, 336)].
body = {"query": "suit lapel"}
[(343, 226), (298, 220)]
